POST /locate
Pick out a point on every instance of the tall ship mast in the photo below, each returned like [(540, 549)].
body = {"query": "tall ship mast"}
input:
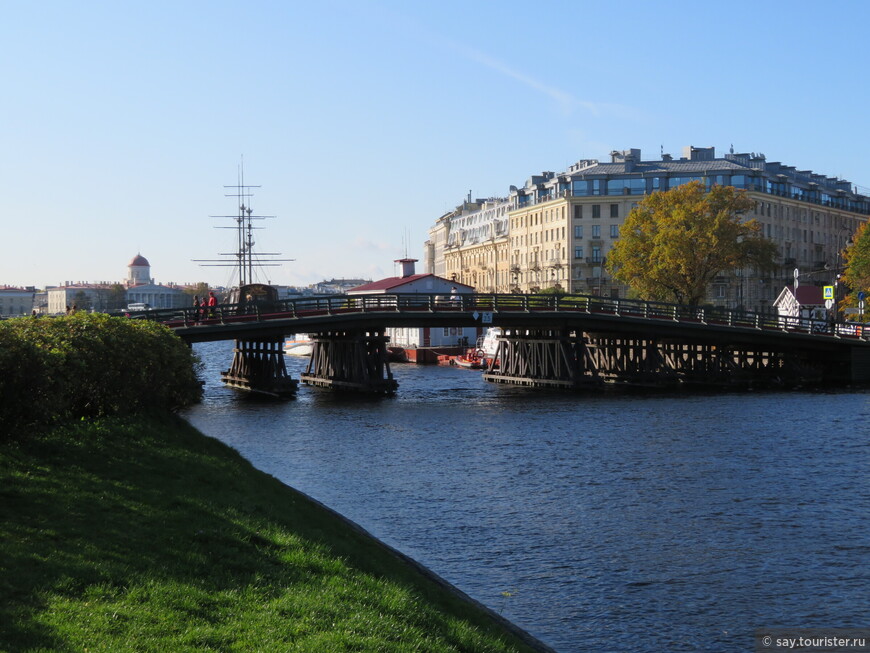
[(244, 259)]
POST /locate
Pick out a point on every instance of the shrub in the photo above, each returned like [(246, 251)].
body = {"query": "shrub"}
[(90, 365), (25, 384)]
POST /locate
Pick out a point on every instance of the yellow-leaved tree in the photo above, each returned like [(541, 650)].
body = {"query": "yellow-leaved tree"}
[(674, 243), (856, 275)]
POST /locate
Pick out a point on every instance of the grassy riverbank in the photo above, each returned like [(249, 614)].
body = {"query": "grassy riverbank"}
[(142, 534)]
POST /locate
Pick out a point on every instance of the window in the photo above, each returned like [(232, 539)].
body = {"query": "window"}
[(673, 182), (578, 211), (715, 180), (578, 252), (580, 188), (596, 210), (614, 231), (596, 231), (634, 186), (614, 210), (596, 255), (578, 231)]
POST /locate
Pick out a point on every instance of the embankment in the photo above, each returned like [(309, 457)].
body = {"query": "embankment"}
[(140, 533)]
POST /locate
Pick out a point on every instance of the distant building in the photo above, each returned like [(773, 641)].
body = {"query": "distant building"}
[(82, 296), (138, 287), (292, 292), (410, 282), (139, 271), (337, 286), (16, 301), (141, 288)]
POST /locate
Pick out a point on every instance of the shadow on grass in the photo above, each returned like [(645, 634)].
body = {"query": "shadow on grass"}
[(154, 515)]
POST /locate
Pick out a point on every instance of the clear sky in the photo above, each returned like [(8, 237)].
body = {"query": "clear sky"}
[(363, 122)]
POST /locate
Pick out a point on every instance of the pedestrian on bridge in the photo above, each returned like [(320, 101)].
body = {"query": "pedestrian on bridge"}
[(212, 302)]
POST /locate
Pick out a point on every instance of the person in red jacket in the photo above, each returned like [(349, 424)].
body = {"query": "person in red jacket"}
[(212, 302)]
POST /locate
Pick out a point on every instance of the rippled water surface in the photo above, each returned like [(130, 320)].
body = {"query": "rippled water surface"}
[(595, 522)]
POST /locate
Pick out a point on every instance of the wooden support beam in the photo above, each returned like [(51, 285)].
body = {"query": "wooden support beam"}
[(258, 367), (353, 361)]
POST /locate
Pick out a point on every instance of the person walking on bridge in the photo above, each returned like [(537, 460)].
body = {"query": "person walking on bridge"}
[(212, 302)]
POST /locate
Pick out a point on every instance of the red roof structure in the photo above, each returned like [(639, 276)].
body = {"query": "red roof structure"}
[(808, 295), (139, 261), (392, 283)]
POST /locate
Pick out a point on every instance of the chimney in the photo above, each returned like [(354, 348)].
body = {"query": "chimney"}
[(407, 266)]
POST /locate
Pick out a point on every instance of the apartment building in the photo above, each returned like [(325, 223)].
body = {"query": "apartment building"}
[(561, 226), (470, 245)]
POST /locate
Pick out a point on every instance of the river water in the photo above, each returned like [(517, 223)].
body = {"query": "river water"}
[(595, 522)]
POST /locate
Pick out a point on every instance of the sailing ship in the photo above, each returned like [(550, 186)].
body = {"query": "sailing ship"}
[(258, 365)]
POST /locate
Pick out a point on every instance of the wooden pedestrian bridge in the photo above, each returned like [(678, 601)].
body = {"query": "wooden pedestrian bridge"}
[(546, 340)]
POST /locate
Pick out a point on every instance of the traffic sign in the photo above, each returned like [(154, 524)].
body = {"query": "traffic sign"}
[(829, 303), (828, 292), (860, 295)]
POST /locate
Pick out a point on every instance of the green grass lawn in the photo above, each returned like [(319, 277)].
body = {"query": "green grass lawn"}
[(144, 535)]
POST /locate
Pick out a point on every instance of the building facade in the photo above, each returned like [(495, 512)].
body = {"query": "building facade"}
[(562, 226), (16, 301), (469, 245), (141, 288), (137, 287)]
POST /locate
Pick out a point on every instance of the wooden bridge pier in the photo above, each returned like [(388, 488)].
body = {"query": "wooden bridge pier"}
[(258, 366), (352, 361), (560, 358), (542, 358)]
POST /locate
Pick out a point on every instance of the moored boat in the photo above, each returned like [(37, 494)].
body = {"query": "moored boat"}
[(299, 344), (470, 360), (487, 344)]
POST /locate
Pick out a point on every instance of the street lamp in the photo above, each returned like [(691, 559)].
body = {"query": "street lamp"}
[(837, 270)]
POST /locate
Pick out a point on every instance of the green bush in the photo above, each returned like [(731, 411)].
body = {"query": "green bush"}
[(25, 384), (91, 365)]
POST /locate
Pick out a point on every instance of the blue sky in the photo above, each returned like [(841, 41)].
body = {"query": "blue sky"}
[(121, 122)]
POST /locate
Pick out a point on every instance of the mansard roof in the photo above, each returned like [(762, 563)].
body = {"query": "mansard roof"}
[(662, 167)]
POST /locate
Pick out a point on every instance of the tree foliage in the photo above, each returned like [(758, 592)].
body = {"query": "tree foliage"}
[(856, 275), (200, 289), (674, 243), (90, 365)]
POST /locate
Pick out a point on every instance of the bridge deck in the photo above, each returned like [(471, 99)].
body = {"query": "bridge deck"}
[(589, 314)]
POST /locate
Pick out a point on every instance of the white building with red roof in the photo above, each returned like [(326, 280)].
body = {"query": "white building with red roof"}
[(423, 284), (137, 288), (805, 301)]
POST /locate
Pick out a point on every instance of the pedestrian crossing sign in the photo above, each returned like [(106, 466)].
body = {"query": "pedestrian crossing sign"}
[(828, 292)]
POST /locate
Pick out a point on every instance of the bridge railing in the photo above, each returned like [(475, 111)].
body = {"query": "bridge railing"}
[(496, 304)]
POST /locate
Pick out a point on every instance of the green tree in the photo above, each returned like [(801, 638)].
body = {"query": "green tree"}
[(673, 244), (200, 289), (856, 275), (81, 301), (116, 297)]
